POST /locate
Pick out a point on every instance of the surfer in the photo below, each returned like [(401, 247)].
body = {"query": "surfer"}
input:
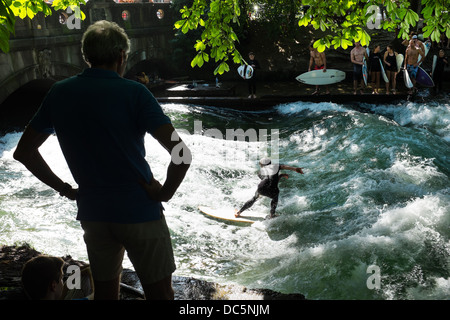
[(320, 63), (412, 60), (390, 60), (375, 68), (418, 42), (438, 74), (268, 187), (252, 81), (357, 56)]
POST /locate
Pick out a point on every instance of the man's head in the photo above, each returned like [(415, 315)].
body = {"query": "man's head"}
[(104, 43), (42, 278), (265, 162)]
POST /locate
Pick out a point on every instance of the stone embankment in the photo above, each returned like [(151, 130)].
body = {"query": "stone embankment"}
[(12, 259)]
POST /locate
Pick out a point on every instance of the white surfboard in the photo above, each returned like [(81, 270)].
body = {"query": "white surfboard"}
[(364, 71), (434, 65), (385, 78), (318, 77), (245, 71), (427, 46), (399, 58), (227, 214), (408, 82)]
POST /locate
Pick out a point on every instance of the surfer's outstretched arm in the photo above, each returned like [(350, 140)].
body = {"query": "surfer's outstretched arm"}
[(296, 169)]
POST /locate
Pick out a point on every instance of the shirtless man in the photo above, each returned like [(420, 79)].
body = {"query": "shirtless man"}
[(411, 60), (320, 63), (357, 56)]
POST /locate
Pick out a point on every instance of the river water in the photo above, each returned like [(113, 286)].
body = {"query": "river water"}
[(369, 219)]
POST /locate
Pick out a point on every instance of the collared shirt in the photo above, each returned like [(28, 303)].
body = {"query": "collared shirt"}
[(100, 120)]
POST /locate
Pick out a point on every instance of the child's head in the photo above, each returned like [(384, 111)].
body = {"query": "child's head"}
[(42, 277), (251, 55), (441, 53)]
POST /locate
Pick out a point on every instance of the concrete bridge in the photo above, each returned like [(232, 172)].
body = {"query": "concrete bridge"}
[(45, 50)]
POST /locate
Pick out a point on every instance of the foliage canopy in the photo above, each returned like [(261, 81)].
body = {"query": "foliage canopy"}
[(10, 9), (341, 21)]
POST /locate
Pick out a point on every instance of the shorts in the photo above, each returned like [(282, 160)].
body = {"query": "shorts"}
[(412, 70), (357, 72), (148, 246), (319, 67)]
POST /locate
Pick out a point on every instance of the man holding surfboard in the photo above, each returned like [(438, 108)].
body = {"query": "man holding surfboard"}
[(412, 60), (252, 81), (268, 187), (357, 56), (320, 63)]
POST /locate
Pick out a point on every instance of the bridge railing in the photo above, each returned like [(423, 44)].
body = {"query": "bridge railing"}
[(127, 15)]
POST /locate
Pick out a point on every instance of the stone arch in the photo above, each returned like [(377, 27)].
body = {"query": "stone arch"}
[(58, 71), (19, 107)]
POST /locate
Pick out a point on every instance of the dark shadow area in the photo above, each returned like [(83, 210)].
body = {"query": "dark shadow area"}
[(20, 106)]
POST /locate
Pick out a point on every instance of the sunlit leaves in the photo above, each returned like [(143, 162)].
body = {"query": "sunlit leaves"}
[(352, 19), (10, 9), (218, 37), (437, 17)]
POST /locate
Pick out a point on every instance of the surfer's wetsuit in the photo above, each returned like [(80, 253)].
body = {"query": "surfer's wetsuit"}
[(393, 63), (268, 187)]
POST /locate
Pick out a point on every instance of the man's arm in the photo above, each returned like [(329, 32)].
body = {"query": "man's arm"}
[(352, 59), (311, 61), (27, 152), (180, 161), (285, 167), (406, 58), (324, 59)]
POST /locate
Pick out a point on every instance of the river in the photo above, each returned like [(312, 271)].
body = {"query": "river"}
[(369, 219)]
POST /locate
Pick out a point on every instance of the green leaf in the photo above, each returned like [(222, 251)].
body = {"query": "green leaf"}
[(179, 24), (304, 21)]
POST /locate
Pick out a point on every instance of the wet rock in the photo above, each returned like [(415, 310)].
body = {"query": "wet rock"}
[(12, 259)]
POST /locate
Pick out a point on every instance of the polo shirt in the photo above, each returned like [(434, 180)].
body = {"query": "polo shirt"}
[(100, 120)]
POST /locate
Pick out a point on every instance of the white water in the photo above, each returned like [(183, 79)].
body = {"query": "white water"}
[(375, 192)]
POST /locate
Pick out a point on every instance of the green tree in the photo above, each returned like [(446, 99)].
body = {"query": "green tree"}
[(10, 9), (342, 21)]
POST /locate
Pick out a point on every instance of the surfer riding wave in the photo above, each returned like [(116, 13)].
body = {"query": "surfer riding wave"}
[(268, 187)]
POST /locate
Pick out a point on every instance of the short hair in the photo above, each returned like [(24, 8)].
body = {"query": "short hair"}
[(103, 42), (38, 273)]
